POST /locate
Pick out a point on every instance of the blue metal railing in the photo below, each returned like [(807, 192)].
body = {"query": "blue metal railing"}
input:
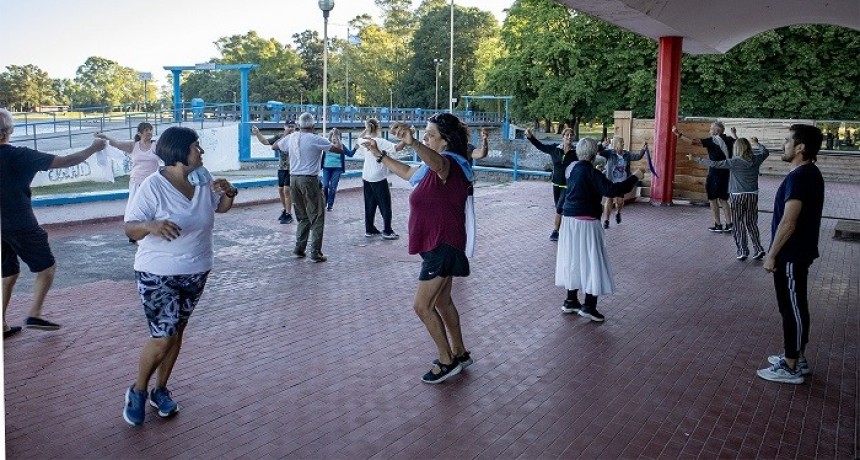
[(83, 121)]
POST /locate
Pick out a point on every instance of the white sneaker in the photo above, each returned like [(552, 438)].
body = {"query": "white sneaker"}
[(781, 373), (802, 363)]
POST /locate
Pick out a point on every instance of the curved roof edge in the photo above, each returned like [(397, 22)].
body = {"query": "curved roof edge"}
[(712, 28)]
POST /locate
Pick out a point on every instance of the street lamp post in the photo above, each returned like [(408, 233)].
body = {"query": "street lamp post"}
[(390, 102), (437, 61), (451, 65), (326, 6)]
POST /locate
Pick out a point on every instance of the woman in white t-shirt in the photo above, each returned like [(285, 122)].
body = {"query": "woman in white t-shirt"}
[(172, 219), (141, 151), (377, 193)]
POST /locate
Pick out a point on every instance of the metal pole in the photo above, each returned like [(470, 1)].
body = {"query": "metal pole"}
[(325, 69), (346, 56), (451, 65), (438, 61)]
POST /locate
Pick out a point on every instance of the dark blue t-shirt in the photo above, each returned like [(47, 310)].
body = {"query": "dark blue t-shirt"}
[(18, 167), (803, 183)]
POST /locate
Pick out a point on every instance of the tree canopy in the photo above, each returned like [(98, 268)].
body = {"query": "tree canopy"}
[(559, 65)]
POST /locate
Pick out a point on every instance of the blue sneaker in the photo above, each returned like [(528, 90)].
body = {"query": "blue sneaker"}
[(160, 399), (135, 406)]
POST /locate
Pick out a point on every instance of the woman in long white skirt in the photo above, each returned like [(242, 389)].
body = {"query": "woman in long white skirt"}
[(582, 261)]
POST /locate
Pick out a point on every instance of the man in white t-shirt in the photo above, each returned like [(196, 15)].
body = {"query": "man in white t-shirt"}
[(306, 151), (374, 175)]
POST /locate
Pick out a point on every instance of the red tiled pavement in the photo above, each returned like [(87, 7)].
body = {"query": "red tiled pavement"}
[(286, 358)]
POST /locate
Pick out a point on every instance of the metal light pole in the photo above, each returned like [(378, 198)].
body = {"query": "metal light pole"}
[(437, 61), (390, 102), (326, 6), (451, 65)]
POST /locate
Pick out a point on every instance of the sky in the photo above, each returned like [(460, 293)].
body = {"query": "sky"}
[(59, 35)]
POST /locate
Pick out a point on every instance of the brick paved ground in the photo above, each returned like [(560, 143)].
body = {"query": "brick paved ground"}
[(286, 358)]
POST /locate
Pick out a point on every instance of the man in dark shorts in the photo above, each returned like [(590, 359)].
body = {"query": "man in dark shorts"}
[(283, 168), (795, 227), (719, 148), (22, 237)]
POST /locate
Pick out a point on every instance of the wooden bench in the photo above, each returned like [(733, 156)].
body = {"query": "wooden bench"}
[(847, 230)]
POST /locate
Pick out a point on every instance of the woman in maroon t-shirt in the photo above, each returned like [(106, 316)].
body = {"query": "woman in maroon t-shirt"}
[(437, 231)]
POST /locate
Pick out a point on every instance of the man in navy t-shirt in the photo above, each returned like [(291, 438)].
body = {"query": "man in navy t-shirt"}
[(796, 223), (21, 235)]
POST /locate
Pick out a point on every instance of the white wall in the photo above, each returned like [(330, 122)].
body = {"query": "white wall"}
[(220, 144)]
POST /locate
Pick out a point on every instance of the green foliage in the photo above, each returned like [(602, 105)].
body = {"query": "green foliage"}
[(103, 82), (279, 76), (792, 72), (25, 87), (431, 41), (566, 66)]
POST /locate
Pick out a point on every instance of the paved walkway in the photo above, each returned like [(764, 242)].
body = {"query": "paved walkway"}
[(289, 359)]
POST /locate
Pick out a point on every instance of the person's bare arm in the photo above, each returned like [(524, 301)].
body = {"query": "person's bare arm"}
[(260, 137), (78, 157), (688, 139), (784, 230), (399, 168), (484, 148), (125, 146)]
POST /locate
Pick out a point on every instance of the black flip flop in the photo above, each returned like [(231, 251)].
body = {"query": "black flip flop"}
[(11, 331)]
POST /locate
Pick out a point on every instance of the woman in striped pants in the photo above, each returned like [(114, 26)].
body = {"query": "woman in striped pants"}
[(743, 189)]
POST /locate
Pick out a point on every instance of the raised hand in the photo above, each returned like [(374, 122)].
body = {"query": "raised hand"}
[(98, 144), (403, 132)]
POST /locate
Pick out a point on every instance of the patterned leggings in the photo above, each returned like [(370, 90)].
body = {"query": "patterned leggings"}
[(745, 217)]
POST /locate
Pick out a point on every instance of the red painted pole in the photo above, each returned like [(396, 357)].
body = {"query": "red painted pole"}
[(666, 115)]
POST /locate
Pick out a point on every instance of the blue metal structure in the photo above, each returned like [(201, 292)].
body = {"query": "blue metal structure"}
[(506, 123), (244, 130)]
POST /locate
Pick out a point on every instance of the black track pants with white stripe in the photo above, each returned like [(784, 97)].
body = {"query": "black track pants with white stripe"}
[(790, 281)]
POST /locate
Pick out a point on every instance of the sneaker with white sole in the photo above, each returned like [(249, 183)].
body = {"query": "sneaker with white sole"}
[(465, 360), (445, 371), (802, 363), (781, 373), (759, 255), (390, 235), (571, 307), (160, 399), (591, 313), (135, 406)]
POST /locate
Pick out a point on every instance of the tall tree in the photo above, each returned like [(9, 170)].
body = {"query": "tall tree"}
[(278, 76), (432, 40), (101, 81), (309, 46), (23, 87)]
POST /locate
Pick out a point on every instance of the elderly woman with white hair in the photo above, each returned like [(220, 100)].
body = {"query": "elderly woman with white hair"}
[(582, 261)]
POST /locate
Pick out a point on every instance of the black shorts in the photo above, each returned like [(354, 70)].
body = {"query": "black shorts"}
[(717, 185), (283, 178), (557, 193), (31, 246), (443, 261)]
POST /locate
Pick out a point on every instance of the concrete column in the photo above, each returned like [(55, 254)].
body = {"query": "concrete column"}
[(666, 115)]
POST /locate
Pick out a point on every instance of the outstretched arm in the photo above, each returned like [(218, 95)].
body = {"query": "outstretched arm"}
[(260, 137), (399, 168), (78, 157), (125, 146), (688, 139)]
